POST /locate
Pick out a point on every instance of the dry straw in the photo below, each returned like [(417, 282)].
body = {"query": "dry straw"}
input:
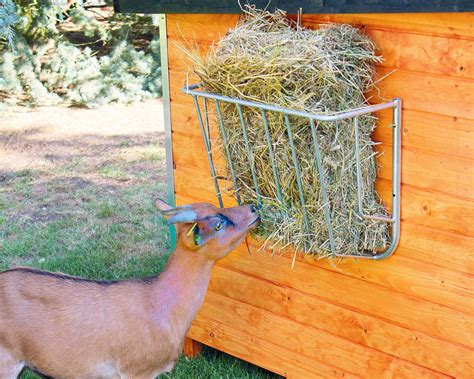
[(270, 59)]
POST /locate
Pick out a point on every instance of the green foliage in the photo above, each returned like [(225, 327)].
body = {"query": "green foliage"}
[(8, 19), (77, 59)]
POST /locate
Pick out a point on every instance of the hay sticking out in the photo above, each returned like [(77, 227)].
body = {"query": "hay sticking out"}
[(270, 59)]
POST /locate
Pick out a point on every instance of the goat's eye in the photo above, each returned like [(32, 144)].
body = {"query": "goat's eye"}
[(218, 226)]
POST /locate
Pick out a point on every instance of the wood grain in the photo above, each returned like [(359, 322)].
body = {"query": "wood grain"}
[(455, 25), (427, 230), (437, 246), (346, 323), (283, 361), (445, 95), (433, 172), (430, 132), (425, 53), (310, 342), (408, 311), (438, 55), (409, 314)]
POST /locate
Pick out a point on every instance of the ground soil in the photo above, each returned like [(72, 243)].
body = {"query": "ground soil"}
[(55, 151)]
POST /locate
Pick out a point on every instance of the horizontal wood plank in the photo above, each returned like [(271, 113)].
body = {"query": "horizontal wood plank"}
[(199, 27), (431, 208), (421, 279), (424, 53), (437, 246), (431, 171), (283, 361), (349, 324), (440, 94), (431, 132), (425, 236), (438, 55), (400, 273), (408, 311), (308, 341), (458, 25), (438, 174)]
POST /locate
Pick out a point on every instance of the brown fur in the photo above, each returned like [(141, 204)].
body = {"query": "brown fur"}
[(68, 327)]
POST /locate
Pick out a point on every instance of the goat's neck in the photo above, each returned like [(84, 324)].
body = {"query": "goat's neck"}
[(180, 289)]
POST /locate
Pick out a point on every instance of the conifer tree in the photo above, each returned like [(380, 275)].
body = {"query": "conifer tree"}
[(8, 19), (114, 60)]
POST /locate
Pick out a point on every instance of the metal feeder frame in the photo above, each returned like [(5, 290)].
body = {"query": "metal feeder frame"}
[(396, 106)]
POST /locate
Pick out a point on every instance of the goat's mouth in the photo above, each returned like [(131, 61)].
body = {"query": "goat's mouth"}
[(254, 223)]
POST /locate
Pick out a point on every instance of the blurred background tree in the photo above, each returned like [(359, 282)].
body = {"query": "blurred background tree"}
[(76, 53), (8, 19)]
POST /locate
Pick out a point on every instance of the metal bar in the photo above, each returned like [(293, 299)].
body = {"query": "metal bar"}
[(190, 90), (297, 171), (359, 180), (227, 150), (396, 156), (357, 153), (396, 179), (167, 118), (249, 153), (272, 156), (396, 187), (322, 183), (209, 153), (206, 121)]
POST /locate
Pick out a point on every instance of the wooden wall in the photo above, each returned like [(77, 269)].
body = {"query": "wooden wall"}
[(409, 316)]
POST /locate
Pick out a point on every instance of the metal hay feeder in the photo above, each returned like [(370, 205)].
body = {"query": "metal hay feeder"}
[(395, 104)]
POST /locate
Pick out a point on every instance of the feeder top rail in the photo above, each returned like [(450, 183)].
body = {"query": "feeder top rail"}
[(193, 90)]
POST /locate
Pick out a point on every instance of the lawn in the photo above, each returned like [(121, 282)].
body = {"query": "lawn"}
[(76, 191)]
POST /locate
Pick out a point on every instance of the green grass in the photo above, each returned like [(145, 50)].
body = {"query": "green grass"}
[(211, 364), (83, 219)]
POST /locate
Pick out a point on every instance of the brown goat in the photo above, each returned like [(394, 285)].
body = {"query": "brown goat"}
[(67, 327)]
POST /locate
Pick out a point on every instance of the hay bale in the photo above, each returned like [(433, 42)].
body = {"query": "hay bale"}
[(269, 59)]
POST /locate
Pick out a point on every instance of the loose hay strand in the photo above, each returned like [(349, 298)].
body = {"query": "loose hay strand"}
[(267, 58)]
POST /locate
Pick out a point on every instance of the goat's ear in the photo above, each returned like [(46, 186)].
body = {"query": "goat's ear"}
[(162, 205)]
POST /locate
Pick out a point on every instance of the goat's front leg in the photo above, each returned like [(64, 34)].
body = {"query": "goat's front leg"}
[(10, 367)]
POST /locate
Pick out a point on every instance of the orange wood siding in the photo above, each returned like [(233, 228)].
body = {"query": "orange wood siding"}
[(409, 316)]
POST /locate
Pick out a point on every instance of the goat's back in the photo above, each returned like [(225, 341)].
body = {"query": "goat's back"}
[(50, 320)]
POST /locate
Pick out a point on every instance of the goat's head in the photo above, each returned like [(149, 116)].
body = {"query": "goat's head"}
[(208, 230)]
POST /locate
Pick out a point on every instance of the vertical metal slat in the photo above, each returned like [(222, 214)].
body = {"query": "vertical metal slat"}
[(227, 150), (322, 183), (272, 155), (358, 170), (396, 179), (359, 180), (209, 153), (249, 152), (297, 171)]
